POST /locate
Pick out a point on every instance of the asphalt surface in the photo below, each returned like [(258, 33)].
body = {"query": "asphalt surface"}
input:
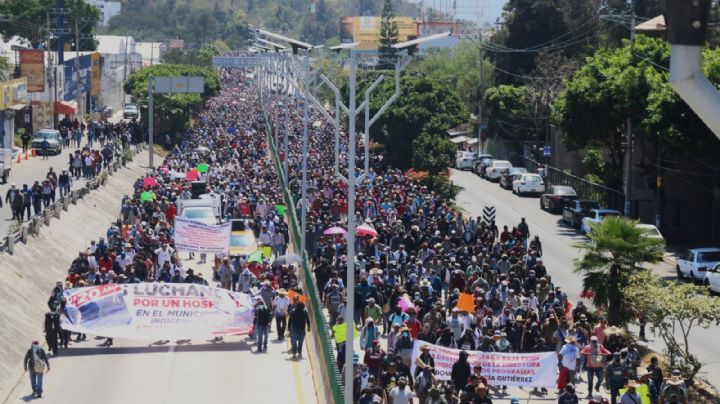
[(185, 371), (558, 253)]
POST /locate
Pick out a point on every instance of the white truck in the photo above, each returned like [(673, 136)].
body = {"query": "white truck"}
[(205, 209)]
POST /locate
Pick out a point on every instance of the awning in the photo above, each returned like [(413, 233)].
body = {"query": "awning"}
[(66, 107), (459, 139), (472, 141), (18, 107)]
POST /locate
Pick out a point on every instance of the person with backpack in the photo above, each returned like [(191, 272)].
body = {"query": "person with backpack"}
[(263, 318), (36, 362), (333, 300), (615, 377)]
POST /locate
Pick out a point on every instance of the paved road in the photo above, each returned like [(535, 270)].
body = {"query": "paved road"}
[(558, 251), (179, 372)]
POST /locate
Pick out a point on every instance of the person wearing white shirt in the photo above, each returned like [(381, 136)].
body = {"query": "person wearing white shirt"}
[(401, 394), (164, 254), (282, 303)]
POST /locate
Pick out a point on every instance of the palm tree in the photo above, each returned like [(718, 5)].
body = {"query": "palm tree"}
[(617, 249)]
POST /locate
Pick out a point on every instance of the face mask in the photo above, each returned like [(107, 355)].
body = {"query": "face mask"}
[(364, 372), (405, 334), (35, 347)]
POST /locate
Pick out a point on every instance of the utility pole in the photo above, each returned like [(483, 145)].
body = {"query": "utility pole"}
[(151, 89), (658, 183), (629, 135), (481, 146), (77, 66)]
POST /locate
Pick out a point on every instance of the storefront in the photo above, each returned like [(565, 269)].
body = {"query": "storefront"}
[(15, 112)]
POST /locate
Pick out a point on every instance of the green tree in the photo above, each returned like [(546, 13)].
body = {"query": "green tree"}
[(388, 37), (173, 110), (28, 19), (510, 113), (4, 68), (673, 310), (433, 153), (616, 250), (424, 106)]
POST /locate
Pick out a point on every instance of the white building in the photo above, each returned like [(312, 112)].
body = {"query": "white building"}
[(108, 9)]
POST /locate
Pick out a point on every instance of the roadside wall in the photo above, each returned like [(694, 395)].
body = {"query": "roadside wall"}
[(28, 276)]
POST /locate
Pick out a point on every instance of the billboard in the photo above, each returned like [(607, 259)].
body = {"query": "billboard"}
[(366, 30), (95, 74), (32, 66)]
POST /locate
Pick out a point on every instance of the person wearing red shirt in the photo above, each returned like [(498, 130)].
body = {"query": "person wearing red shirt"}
[(595, 360), (374, 358), (170, 213), (413, 325), (105, 263)]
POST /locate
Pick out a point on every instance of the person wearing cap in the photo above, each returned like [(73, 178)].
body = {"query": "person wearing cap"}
[(37, 364), (673, 391), (646, 387), (631, 395), (281, 304), (374, 358), (595, 361), (401, 394), (568, 395), (262, 322), (299, 323), (568, 361), (616, 377), (481, 395)]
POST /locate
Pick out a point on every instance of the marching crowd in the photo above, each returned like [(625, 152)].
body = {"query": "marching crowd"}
[(104, 142), (410, 275)]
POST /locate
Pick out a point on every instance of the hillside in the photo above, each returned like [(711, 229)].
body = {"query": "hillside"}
[(202, 21)]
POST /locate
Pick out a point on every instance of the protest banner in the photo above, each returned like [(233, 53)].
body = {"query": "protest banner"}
[(340, 332), (200, 237), (531, 370), (157, 311), (466, 303)]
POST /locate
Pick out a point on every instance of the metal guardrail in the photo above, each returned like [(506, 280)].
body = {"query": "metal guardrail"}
[(608, 197), (33, 226), (321, 325)]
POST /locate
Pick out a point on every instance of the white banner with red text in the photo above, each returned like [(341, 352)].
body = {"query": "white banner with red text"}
[(501, 369), (157, 311), (194, 236)]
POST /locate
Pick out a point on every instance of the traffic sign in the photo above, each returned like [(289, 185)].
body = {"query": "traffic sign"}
[(179, 84), (547, 151), (234, 61), (489, 214)]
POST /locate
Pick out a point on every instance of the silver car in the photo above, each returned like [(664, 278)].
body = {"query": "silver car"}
[(53, 138)]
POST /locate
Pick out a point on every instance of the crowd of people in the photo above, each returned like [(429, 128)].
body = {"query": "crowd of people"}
[(104, 143), (409, 277)]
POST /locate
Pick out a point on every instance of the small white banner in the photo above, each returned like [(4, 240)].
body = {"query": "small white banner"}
[(194, 236)]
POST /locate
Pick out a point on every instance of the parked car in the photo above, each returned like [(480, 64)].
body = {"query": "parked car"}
[(481, 163), (509, 175), (465, 160), (53, 138), (576, 210), (651, 231), (695, 263), (596, 216), (712, 279), (556, 197), (492, 172), (130, 111), (528, 184)]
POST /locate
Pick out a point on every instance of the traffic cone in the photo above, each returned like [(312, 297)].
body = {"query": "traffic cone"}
[(26, 155), (19, 155), (34, 152)]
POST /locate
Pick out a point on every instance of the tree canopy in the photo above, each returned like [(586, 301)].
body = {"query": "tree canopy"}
[(175, 109), (423, 107), (28, 19), (616, 250)]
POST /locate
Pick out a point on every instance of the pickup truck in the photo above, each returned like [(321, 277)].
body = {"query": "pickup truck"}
[(695, 263)]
